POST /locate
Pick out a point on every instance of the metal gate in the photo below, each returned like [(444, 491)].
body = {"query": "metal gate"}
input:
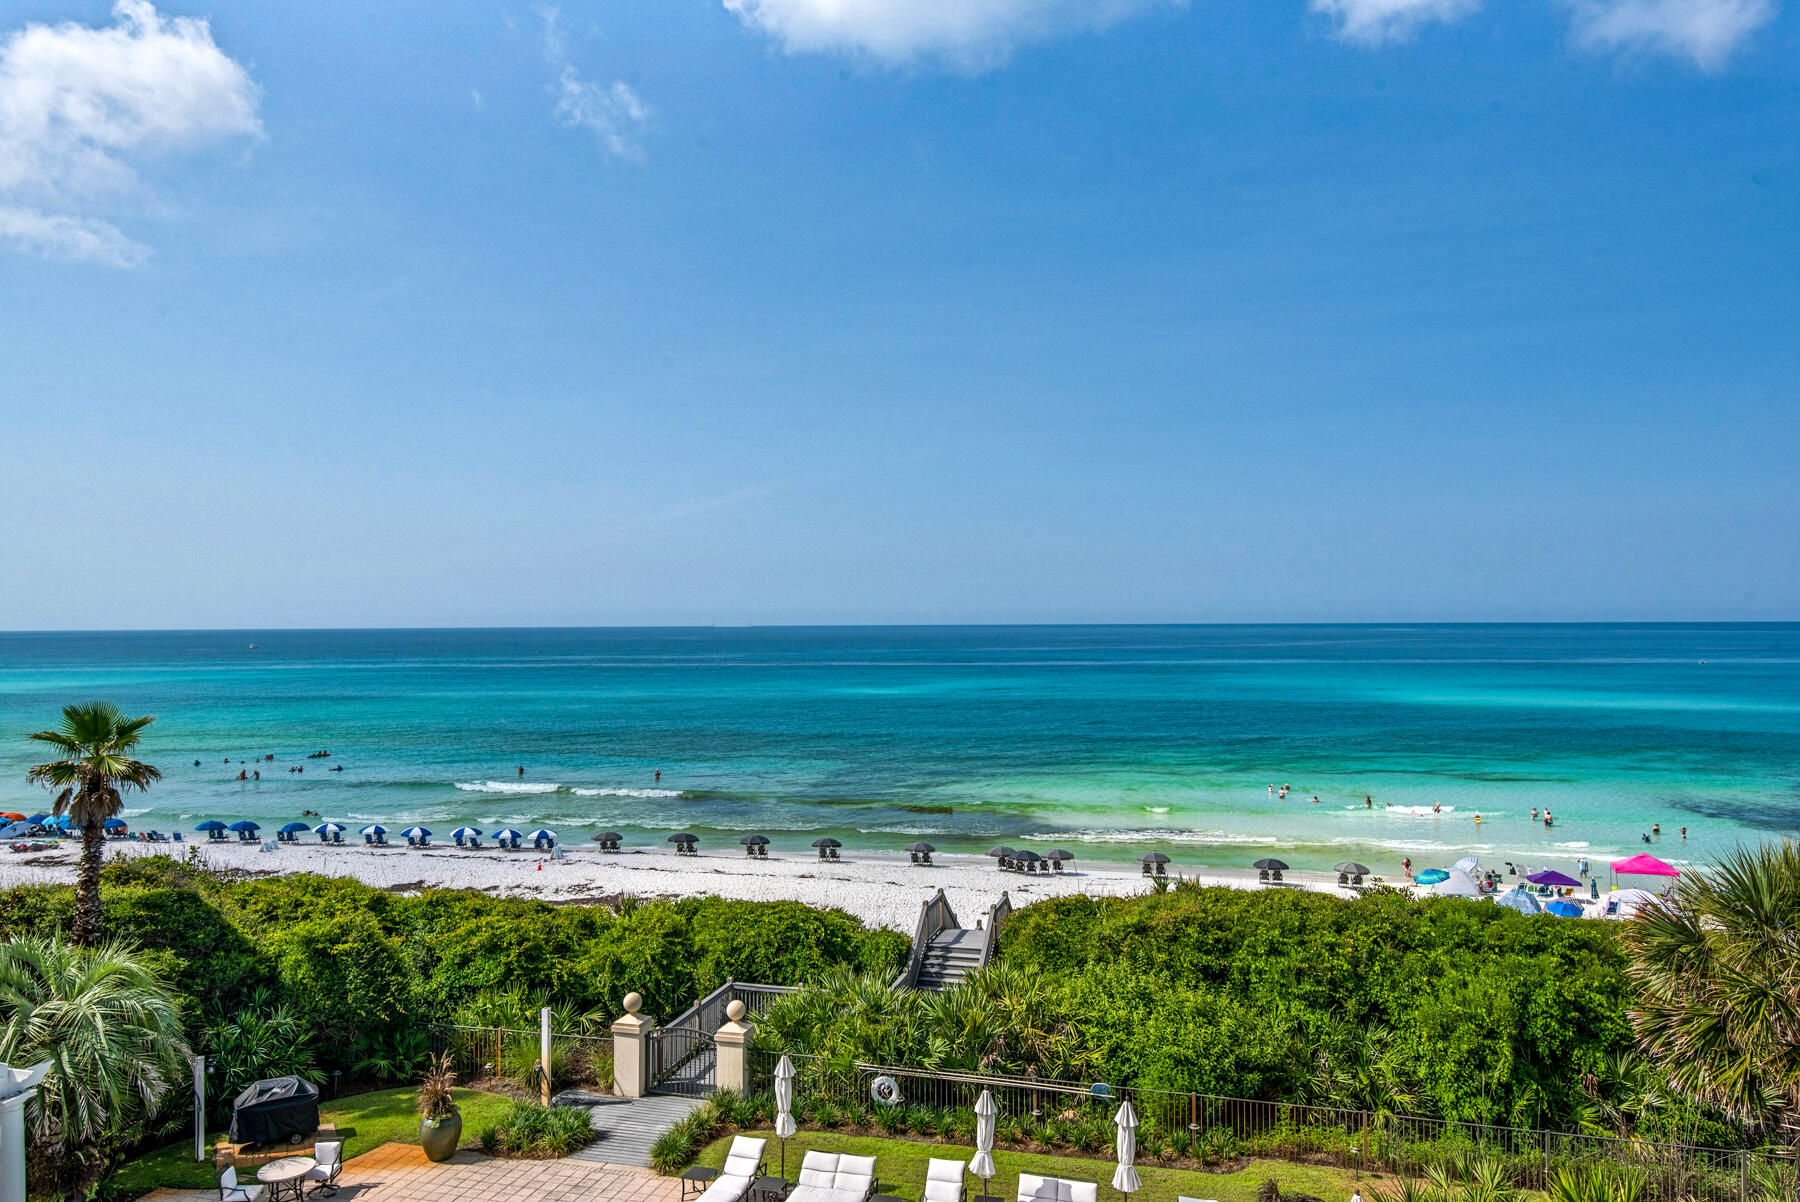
[(683, 1060)]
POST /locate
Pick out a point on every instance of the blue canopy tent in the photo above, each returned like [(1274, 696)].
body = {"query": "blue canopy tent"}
[(508, 838), (1519, 899), (213, 829), (542, 839), (246, 829), (417, 836), (467, 836), (375, 834), (1563, 909), (329, 832)]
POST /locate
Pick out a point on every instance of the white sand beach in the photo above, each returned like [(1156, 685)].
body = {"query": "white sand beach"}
[(880, 889)]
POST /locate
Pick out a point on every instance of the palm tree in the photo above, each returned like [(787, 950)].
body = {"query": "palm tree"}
[(95, 771), (110, 1026), (1716, 967)]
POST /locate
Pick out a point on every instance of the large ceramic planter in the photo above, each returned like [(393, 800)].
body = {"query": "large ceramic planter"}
[(439, 1137)]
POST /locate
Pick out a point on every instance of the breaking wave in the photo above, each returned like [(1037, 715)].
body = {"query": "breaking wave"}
[(504, 786)]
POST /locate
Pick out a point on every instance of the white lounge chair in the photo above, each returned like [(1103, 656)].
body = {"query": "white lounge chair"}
[(830, 1177), (1033, 1188), (743, 1165), (231, 1191), (945, 1181), (330, 1156)]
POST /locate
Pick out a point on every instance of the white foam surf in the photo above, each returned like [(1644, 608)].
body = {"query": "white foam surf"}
[(622, 792), (506, 786)]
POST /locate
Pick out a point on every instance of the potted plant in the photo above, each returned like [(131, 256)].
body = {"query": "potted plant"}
[(440, 1122)]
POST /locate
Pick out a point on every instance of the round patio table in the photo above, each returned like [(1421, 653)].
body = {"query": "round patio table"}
[(286, 1176)]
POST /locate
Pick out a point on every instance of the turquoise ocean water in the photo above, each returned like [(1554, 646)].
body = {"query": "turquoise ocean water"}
[(1106, 740)]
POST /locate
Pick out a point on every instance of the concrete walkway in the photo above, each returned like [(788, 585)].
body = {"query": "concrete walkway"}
[(400, 1173)]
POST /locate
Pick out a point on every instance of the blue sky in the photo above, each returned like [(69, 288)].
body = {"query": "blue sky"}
[(898, 310)]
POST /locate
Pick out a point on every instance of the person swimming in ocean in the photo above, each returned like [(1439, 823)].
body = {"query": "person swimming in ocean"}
[(659, 776), (1477, 817), (1548, 821), (337, 767), (1656, 829), (1437, 807)]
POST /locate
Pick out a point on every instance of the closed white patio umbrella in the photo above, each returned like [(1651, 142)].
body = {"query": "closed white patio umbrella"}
[(1125, 1177), (982, 1163), (784, 1106)]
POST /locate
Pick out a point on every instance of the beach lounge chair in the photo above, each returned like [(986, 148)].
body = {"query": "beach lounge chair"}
[(231, 1191), (1274, 876), (829, 1177), (330, 1156), (743, 1165), (1033, 1188), (945, 1181)]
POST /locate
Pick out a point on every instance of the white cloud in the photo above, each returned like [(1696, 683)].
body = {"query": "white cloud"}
[(613, 113), (79, 105), (970, 33), (1374, 22), (1705, 31)]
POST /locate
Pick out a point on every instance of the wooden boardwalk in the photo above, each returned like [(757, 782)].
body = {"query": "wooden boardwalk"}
[(625, 1129)]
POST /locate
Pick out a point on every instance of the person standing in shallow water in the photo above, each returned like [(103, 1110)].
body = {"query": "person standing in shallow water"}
[(521, 770)]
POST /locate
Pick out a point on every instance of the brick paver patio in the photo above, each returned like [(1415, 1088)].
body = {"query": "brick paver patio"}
[(400, 1173)]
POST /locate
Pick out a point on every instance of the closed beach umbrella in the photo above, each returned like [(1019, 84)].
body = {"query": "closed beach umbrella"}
[(826, 842), (328, 828), (243, 824), (1125, 1177), (921, 847), (1432, 876), (755, 840), (1270, 865), (1550, 876), (1518, 899), (1352, 868), (784, 1106), (1563, 909), (982, 1163), (211, 824)]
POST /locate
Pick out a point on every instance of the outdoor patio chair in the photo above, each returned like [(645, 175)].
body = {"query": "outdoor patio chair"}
[(743, 1165), (829, 1177), (945, 1181), (1033, 1188), (330, 1155), (1343, 880), (1274, 875), (231, 1191)]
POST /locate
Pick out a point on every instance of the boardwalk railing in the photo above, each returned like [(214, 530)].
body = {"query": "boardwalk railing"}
[(935, 916), (682, 1056), (1175, 1126)]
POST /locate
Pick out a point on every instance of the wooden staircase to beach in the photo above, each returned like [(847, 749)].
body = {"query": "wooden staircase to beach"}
[(944, 952)]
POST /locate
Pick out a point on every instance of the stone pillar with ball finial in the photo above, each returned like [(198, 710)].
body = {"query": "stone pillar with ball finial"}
[(631, 1049), (733, 1042)]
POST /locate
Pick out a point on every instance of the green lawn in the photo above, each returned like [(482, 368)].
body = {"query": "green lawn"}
[(900, 1170), (365, 1121)]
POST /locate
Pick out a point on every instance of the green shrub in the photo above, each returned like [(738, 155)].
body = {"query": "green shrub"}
[(533, 1132)]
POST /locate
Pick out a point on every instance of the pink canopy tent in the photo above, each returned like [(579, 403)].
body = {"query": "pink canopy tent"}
[(1645, 864)]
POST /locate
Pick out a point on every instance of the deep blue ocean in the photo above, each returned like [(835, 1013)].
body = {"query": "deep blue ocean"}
[(1106, 740)]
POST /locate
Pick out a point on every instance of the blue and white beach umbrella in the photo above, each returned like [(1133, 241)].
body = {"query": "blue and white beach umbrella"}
[(415, 832), (328, 828), (541, 835), (243, 824), (508, 833), (465, 832), (374, 828)]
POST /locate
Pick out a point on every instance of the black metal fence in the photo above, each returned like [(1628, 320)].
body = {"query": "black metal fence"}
[(515, 1054), (1177, 1127)]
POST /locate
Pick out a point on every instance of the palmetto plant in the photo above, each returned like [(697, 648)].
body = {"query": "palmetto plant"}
[(110, 1027), (94, 773), (1715, 969)]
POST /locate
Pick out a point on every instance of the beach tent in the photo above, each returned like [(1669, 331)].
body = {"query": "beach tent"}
[(1431, 876), (1519, 899), (1549, 876), (1457, 884), (1644, 865), (274, 1111), (1623, 903), (1563, 909), (15, 830)]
